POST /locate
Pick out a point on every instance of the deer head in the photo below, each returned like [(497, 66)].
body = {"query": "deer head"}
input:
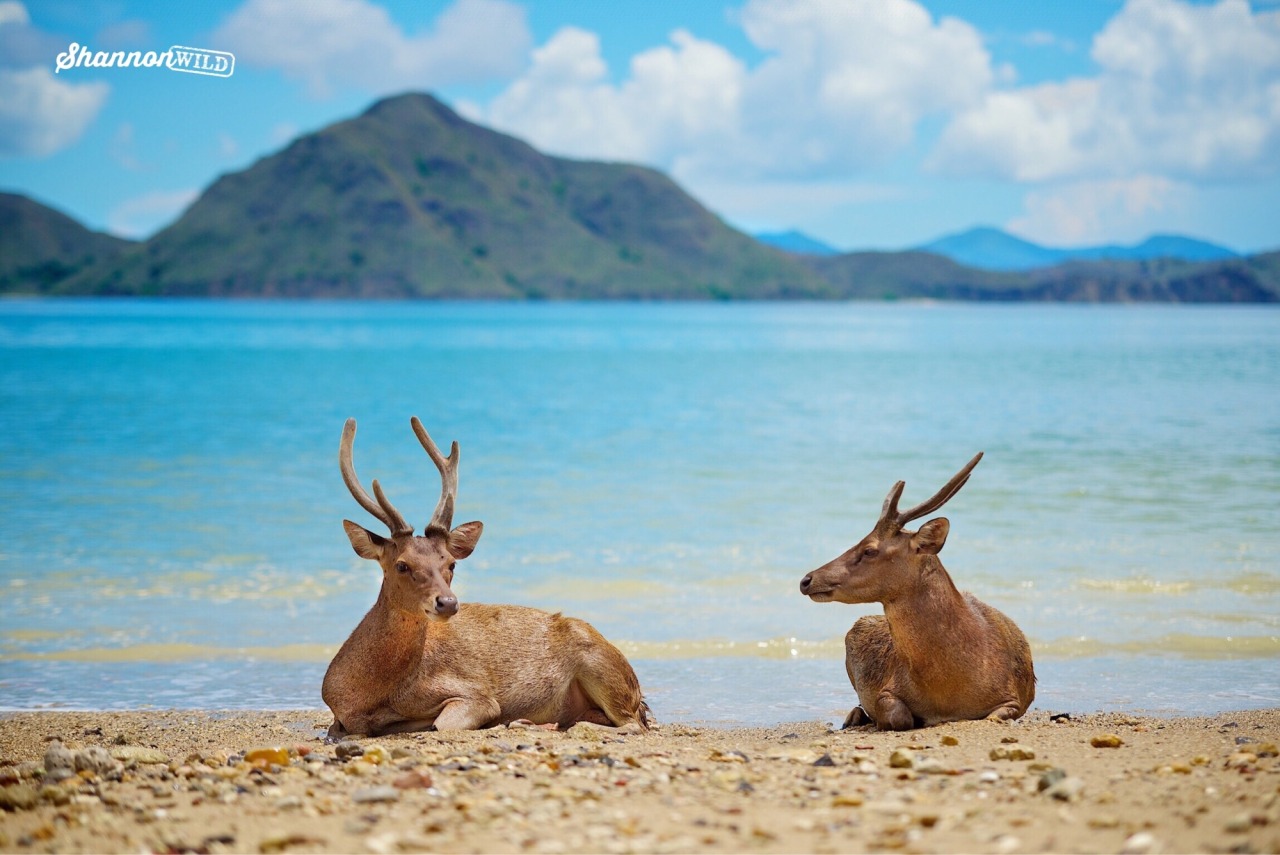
[(890, 561), (416, 571)]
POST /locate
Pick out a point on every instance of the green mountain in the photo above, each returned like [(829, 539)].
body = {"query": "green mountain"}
[(40, 247), (911, 275), (411, 200)]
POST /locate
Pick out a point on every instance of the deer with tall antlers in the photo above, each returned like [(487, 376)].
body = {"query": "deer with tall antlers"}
[(419, 659), (936, 654)]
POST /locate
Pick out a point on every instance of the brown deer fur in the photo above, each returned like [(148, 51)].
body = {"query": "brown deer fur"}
[(418, 659), (936, 654)]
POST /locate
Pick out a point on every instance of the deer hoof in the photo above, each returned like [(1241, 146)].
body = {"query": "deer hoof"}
[(1004, 715), (525, 724), (857, 717), (631, 728)]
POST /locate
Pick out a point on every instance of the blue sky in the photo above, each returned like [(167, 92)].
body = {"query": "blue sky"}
[(877, 124)]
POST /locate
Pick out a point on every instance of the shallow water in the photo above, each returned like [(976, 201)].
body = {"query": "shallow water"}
[(171, 502)]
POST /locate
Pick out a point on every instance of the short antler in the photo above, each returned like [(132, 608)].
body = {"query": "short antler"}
[(891, 518), (443, 517), (381, 508)]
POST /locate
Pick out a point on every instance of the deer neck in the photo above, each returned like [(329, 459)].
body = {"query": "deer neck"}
[(393, 636), (932, 624)]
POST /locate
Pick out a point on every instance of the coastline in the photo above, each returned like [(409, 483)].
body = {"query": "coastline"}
[(179, 781)]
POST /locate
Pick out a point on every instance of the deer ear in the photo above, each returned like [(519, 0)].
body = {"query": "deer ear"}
[(364, 542), (462, 540), (931, 536)]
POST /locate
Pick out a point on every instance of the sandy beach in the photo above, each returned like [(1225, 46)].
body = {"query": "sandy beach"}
[(194, 781)]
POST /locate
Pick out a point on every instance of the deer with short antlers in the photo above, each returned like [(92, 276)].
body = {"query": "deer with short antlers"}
[(418, 659), (936, 654)]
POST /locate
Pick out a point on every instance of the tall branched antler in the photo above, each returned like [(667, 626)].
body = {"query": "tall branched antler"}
[(893, 520), (382, 507), (442, 518)]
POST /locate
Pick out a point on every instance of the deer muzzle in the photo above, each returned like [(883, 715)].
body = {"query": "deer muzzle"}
[(815, 591)]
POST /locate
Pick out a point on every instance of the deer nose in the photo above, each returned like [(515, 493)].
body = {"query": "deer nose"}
[(805, 583), (446, 606)]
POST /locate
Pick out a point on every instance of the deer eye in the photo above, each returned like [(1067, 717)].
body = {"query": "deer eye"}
[(402, 567), (871, 553), (452, 566)]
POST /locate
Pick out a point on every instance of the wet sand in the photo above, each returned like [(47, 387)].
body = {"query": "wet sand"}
[(193, 781)]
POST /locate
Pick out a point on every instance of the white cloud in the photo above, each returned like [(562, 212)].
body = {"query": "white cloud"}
[(142, 216), (844, 85), (132, 34), (40, 115), (283, 132), (22, 45), (228, 148), (124, 149), (1046, 39), (335, 44), (12, 12), (677, 98), (1101, 211), (1184, 90)]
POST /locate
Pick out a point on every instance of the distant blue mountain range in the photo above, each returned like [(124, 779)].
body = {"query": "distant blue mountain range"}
[(989, 248), (797, 242), (992, 249)]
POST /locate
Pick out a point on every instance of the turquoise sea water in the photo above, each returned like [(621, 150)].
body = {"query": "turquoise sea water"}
[(170, 502)]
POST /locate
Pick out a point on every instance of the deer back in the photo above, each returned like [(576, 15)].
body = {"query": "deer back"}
[(527, 660)]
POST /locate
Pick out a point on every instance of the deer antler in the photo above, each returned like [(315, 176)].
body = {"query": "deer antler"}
[(442, 518), (891, 518), (382, 507)]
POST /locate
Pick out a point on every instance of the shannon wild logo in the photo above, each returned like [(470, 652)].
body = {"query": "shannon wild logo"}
[(214, 63)]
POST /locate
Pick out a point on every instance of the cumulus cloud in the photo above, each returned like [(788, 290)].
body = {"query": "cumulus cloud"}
[(228, 148), (124, 148), (1184, 90), (1099, 211), (142, 216), (133, 34), (844, 84), (678, 96), (847, 83), (283, 132), (39, 114), (334, 44), (1042, 39), (13, 12)]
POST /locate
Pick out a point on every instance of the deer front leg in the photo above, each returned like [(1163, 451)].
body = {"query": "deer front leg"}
[(1005, 712), (869, 658), (857, 717), (402, 727), (468, 714), (375, 723), (892, 713)]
